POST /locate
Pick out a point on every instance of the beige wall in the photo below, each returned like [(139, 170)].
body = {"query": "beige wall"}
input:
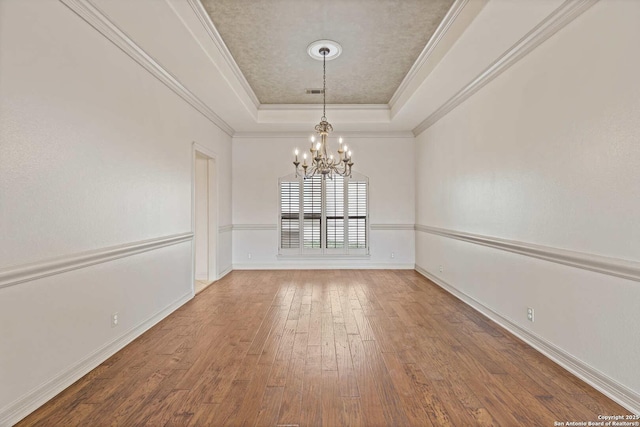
[(259, 162), (95, 153), (547, 154)]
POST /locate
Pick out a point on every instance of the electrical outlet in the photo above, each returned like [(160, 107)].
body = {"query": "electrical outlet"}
[(249, 255), (114, 320), (441, 268), (530, 314), (393, 254)]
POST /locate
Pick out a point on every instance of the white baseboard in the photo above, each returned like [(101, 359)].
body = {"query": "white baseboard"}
[(225, 272), (305, 265), (31, 401), (608, 386)]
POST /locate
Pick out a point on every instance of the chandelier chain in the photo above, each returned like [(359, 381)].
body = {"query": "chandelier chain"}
[(324, 84)]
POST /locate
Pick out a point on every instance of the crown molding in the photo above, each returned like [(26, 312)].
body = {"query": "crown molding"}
[(608, 386), (556, 20), (305, 135), (212, 31), (318, 107), (23, 273), (433, 42), (611, 266), (100, 22), (298, 114), (352, 114)]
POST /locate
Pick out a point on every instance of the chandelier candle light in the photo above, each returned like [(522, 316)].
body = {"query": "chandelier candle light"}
[(321, 163)]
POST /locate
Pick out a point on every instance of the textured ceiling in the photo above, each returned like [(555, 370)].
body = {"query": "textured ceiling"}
[(381, 39)]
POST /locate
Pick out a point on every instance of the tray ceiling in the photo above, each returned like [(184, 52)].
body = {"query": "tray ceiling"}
[(381, 40)]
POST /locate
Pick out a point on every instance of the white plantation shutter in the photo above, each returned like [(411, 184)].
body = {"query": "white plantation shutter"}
[(312, 210), (357, 200), (324, 216), (290, 214), (334, 213)]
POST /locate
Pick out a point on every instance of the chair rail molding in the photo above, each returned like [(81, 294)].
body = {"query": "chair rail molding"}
[(255, 226), (101, 23), (612, 266), (23, 273), (393, 227), (275, 227)]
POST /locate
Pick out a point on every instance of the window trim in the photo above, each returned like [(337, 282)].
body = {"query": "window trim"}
[(324, 253)]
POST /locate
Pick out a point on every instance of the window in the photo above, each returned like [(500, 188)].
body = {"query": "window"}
[(290, 214), (324, 216)]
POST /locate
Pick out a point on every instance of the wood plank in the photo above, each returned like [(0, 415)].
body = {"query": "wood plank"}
[(283, 356), (346, 374), (415, 412), (332, 409), (364, 328), (329, 362), (389, 398), (290, 408), (249, 409), (272, 343), (353, 416), (268, 413), (228, 409), (437, 413), (369, 398), (311, 414)]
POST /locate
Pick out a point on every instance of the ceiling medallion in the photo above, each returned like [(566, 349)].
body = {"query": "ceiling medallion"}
[(321, 163), (334, 50)]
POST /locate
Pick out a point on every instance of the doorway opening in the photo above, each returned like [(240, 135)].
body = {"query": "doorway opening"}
[(205, 219)]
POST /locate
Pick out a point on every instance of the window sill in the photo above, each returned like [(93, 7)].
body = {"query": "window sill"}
[(307, 257)]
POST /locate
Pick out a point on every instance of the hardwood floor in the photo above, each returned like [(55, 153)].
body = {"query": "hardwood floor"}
[(201, 285), (325, 348)]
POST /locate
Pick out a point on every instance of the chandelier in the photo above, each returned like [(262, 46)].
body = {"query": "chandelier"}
[(321, 163)]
